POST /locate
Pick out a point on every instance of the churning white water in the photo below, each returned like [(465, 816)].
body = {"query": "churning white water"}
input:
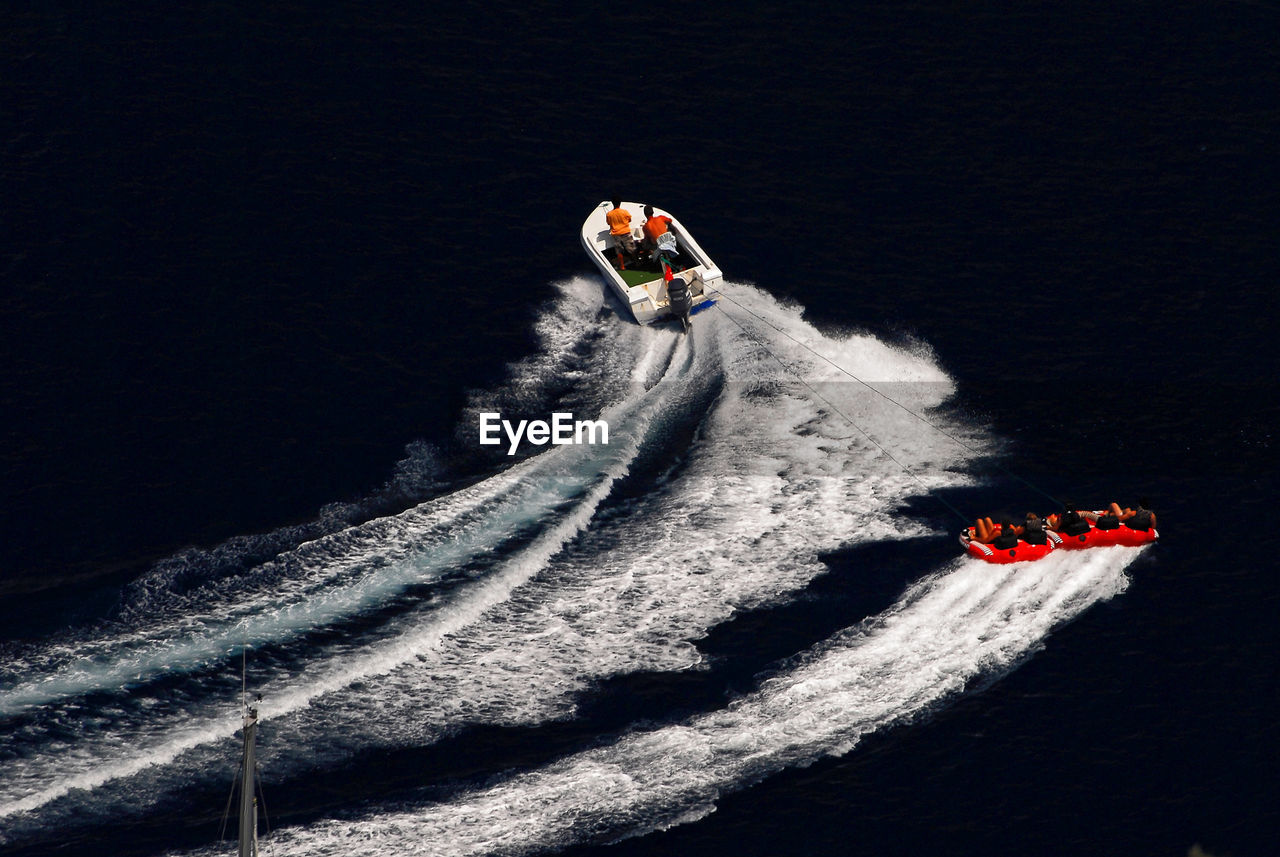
[(738, 455)]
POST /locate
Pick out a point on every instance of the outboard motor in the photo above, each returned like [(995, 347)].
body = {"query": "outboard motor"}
[(677, 288), (681, 301)]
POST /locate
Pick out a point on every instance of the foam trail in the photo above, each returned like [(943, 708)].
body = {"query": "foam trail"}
[(419, 546), (332, 578), (737, 480), (385, 658), (560, 466), (741, 524), (773, 481), (950, 629)]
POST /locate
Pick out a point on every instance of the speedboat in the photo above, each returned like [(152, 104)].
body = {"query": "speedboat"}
[(643, 284)]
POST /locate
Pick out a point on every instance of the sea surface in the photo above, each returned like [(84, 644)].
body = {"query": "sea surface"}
[(264, 268)]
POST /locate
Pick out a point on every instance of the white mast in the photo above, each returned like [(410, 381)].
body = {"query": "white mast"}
[(248, 799), (248, 765)]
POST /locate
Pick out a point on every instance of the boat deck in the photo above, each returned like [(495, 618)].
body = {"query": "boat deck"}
[(638, 274)]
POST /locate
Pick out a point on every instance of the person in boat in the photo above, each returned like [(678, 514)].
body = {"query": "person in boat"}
[(619, 220), (654, 226), (1033, 530), (1140, 518), (984, 530), (1108, 519), (1069, 522), (1007, 538), (1001, 536)]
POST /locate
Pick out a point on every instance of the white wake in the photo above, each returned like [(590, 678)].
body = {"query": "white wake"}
[(568, 583), (969, 621)]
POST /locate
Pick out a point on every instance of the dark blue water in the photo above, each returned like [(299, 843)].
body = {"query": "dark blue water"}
[(257, 262)]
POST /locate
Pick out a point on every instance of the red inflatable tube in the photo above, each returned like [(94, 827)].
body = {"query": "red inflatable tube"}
[(1097, 538), (1133, 538), (1022, 552)]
